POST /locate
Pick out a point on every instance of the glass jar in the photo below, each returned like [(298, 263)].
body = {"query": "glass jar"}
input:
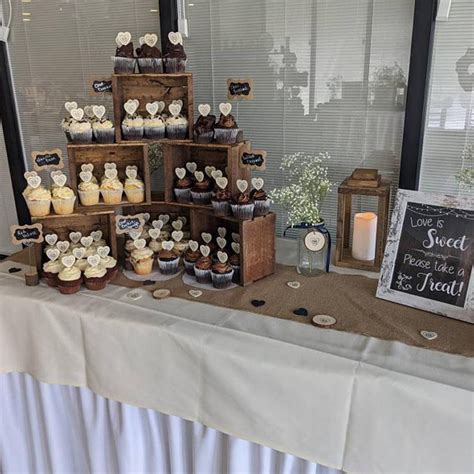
[(314, 249)]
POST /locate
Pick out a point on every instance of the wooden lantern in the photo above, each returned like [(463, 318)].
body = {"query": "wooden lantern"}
[(365, 182)]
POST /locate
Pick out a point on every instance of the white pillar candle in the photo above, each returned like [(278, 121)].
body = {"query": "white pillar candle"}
[(364, 237)]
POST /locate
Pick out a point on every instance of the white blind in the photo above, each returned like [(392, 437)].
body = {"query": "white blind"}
[(320, 78), (449, 124)]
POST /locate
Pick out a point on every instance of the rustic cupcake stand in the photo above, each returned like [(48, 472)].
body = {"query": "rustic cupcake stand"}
[(257, 235)]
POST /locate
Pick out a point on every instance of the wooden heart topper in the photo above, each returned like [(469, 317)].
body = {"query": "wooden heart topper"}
[(131, 106), (204, 109), (150, 39), (70, 106), (123, 38), (47, 160)]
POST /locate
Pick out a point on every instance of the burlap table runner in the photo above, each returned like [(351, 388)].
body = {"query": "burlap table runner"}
[(349, 298)]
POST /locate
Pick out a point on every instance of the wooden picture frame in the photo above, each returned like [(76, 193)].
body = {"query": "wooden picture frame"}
[(428, 260), (252, 159)]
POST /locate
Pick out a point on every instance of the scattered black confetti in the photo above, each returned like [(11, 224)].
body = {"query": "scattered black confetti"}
[(149, 282), (258, 303), (301, 312), (14, 270)]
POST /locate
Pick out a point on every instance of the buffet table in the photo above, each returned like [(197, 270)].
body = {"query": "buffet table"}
[(341, 400)]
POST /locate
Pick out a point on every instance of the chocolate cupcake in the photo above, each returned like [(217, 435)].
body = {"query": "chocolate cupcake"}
[(201, 191), (124, 61), (242, 205), (182, 189), (168, 259), (149, 56), (203, 265), (175, 57), (222, 272), (221, 198), (203, 129), (259, 197), (191, 256), (226, 129), (234, 261)]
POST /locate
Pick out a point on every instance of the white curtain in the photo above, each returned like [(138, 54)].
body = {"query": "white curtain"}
[(59, 429)]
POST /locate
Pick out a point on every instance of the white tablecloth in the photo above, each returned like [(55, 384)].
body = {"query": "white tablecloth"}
[(340, 400)]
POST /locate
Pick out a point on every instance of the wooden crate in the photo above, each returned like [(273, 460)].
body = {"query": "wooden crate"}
[(223, 157), (84, 223), (148, 88), (123, 155)]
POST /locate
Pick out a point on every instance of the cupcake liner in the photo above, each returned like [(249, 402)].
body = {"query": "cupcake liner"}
[(201, 198), (261, 207), (204, 137), (174, 65), (202, 276), (243, 211), (222, 280), (169, 267), (236, 276), (104, 135), (68, 135), (89, 198), (155, 133), (177, 132), (51, 279), (112, 273), (182, 195), (189, 267), (226, 136), (221, 208), (81, 137), (69, 287), (95, 284), (132, 133), (63, 206), (143, 267), (135, 196), (39, 208), (123, 65), (150, 65), (112, 197)]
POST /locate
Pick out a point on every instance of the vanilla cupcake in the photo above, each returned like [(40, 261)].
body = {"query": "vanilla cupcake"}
[(50, 272), (95, 277), (39, 202), (89, 193), (176, 123), (69, 280), (142, 260), (111, 188), (63, 199), (80, 131), (134, 190), (154, 127), (132, 124), (104, 131)]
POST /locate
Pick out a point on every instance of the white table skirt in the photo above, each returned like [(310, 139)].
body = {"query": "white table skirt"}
[(340, 400), (56, 428)]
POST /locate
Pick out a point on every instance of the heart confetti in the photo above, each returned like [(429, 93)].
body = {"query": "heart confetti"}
[(195, 293)]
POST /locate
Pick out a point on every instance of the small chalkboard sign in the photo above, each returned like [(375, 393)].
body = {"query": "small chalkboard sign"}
[(125, 224), (26, 234), (47, 160), (240, 89), (253, 159), (428, 262), (101, 85)]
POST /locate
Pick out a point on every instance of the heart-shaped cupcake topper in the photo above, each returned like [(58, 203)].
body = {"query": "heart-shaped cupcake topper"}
[(79, 252), (59, 179), (135, 234), (180, 172), (225, 108), (70, 106), (63, 246), (183, 219), (161, 106), (205, 250), (123, 38), (88, 110), (206, 237), (131, 106), (93, 260), (77, 114), (222, 231), (242, 185), (56, 173), (204, 109), (178, 101), (53, 254), (222, 257), (150, 39), (174, 38), (180, 36), (164, 218), (99, 111), (217, 174), (257, 183), (235, 237), (141, 40), (29, 174), (86, 176), (209, 170), (222, 182), (68, 261), (174, 109), (168, 245), (34, 181), (131, 172), (75, 237), (103, 251), (96, 235), (154, 233), (221, 242), (235, 247), (87, 167), (191, 166), (111, 174), (177, 224), (177, 235), (87, 241), (51, 239), (110, 166), (139, 243), (146, 216), (199, 175), (152, 108), (157, 224), (193, 245)]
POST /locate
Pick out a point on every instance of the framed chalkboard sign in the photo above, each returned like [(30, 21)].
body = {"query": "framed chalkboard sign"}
[(47, 160), (240, 89), (27, 234), (125, 224), (253, 159), (101, 85), (428, 261)]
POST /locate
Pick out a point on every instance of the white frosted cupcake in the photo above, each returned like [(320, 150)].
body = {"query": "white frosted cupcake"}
[(132, 127), (104, 131), (154, 127), (89, 193), (63, 199), (38, 201), (177, 127), (80, 131), (134, 190)]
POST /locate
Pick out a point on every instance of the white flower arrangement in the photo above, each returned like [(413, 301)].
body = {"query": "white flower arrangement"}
[(308, 186), (465, 177)]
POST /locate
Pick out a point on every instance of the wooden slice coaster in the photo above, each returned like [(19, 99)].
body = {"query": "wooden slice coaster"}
[(323, 321)]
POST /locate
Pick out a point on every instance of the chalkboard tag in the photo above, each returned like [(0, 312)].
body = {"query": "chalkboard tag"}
[(253, 159), (240, 89), (48, 160), (125, 224), (27, 234), (101, 85)]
